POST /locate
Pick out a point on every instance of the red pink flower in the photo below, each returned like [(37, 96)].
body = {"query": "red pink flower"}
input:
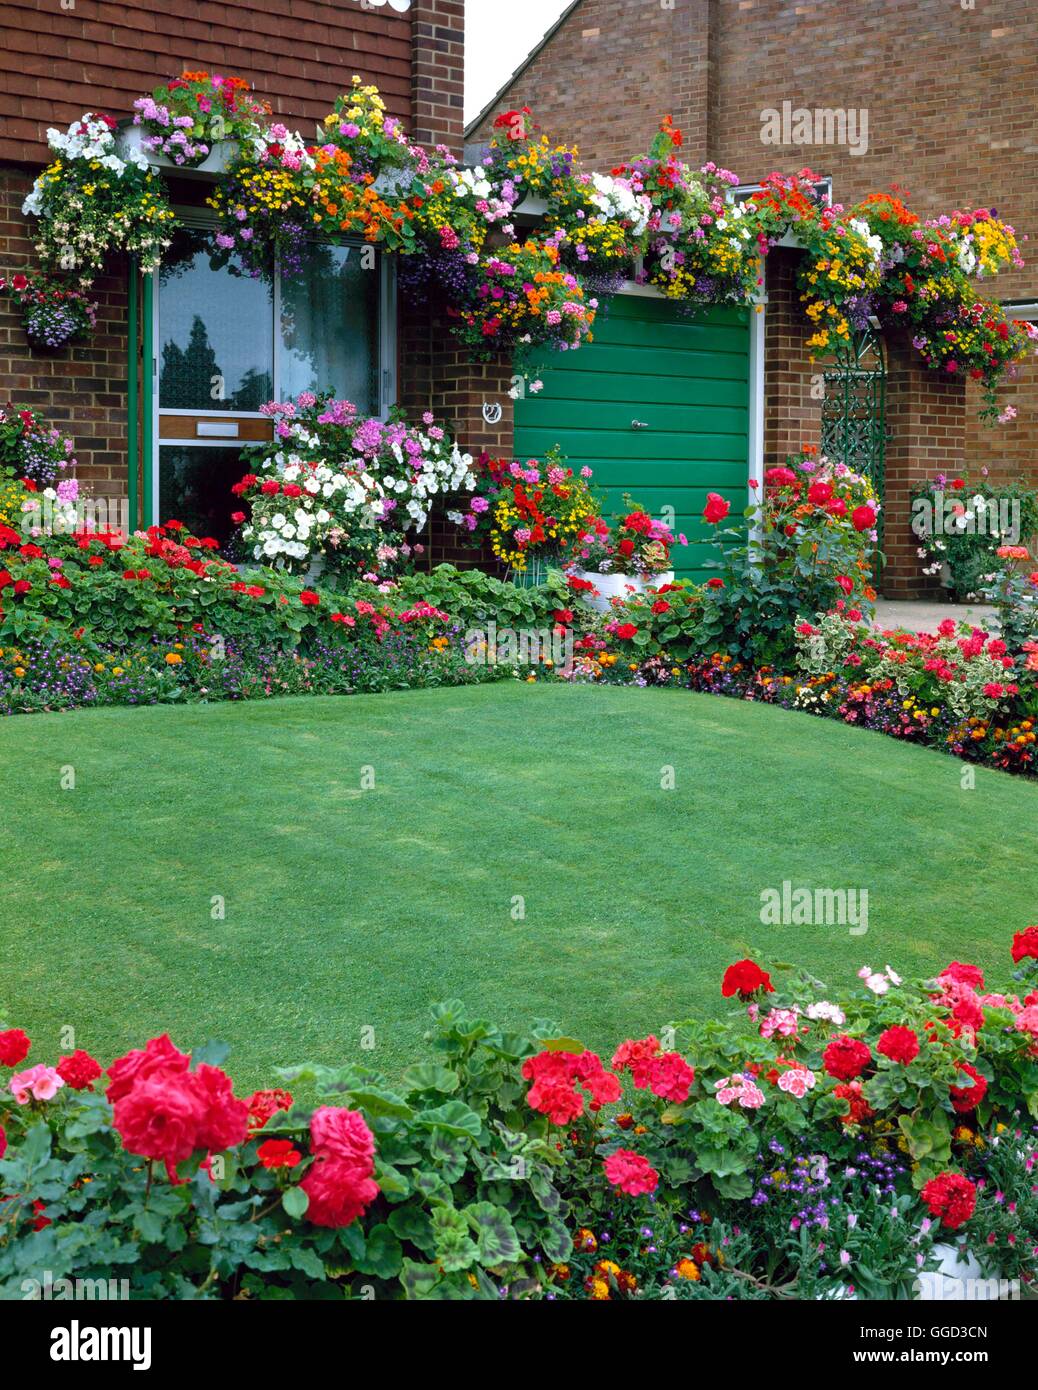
[(716, 509), (952, 1197), (1025, 944), (967, 1098), (631, 1173), (745, 978), (846, 1057), (278, 1153), (79, 1070), (899, 1044), (339, 1184), (556, 1077), (14, 1047), (263, 1105)]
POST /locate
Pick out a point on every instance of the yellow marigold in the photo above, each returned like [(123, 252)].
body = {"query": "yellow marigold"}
[(173, 659), (687, 1269)]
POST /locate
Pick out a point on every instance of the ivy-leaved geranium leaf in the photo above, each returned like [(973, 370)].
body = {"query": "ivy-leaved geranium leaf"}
[(455, 1249), (455, 1117), (384, 1256), (496, 1239)]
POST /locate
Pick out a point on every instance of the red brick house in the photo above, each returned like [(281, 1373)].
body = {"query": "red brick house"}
[(947, 88), (137, 414)]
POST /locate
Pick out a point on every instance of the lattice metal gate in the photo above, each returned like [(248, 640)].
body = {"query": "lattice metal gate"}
[(854, 407)]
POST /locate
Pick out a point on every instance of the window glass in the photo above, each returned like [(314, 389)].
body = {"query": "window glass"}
[(330, 327), (216, 349), (195, 482)]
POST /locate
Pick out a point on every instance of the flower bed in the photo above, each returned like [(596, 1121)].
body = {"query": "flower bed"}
[(800, 1145)]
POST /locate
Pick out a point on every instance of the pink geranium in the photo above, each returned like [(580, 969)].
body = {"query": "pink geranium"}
[(631, 1173), (37, 1083)]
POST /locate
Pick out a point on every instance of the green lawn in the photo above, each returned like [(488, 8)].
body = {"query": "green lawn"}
[(349, 909)]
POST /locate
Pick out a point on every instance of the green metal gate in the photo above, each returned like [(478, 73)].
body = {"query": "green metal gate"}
[(854, 407), (659, 407)]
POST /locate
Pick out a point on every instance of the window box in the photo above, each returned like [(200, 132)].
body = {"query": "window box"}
[(218, 161)]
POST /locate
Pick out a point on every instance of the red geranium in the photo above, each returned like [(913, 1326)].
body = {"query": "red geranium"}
[(14, 1047), (631, 1173), (899, 1044), (625, 631), (860, 1110), (309, 599), (263, 1105), (278, 1153), (970, 975), (79, 1070), (952, 1197), (556, 1077), (1025, 944), (745, 978), (846, 1057), (967, 1098)]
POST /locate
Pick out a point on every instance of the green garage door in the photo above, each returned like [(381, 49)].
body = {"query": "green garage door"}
[(685, 381)]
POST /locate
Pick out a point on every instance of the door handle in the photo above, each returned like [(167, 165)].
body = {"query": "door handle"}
[(639, 424)]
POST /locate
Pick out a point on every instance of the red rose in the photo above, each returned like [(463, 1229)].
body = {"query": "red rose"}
[(837, 507), (863, 518), (715, 583), (159, 1118), (846, 1057), (14, 1047), (339, 1133), (158, 1055), (278, 1153), (952, 1197), (339, 1192), (78, 1070), (899, 1044), (1025, 944), (967, 1098), (716, 508), (225, 1121), (745, 978)]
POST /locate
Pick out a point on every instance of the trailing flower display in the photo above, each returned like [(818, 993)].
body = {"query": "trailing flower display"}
[(362, 178), (806, 1144), (91, 202), (52, 314), (186, 117)]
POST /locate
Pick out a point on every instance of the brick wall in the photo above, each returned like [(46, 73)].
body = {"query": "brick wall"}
[(926, 73), (438, 73), (102, 54)]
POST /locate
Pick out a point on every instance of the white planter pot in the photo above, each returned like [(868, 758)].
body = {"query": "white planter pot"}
[(958, 1277), (217, 161), (611, 586)]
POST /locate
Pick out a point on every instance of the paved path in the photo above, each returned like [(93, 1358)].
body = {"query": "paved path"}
[(923, 615)]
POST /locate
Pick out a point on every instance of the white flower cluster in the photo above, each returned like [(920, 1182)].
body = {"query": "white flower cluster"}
[(328, 502), (871, 240), (90, 139), (616, 200)]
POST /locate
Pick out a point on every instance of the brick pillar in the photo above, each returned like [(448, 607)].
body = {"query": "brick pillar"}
[(791, 415), (438, 73), (926, 434), (693, 74)]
